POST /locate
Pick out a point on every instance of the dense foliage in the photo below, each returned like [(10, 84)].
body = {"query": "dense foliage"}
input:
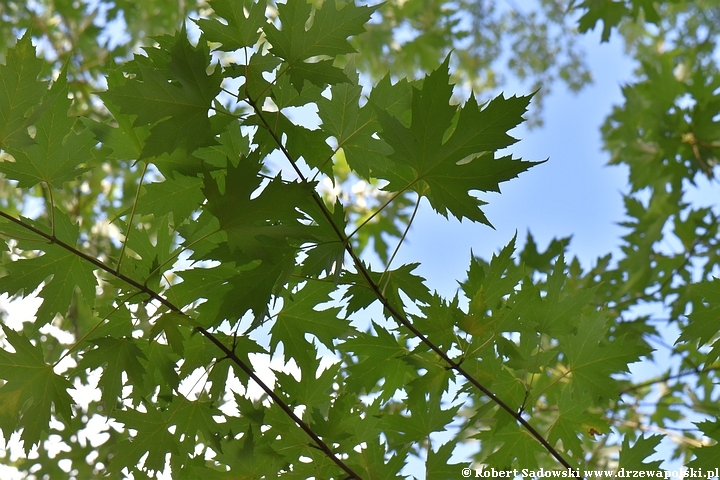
[(215, 201)]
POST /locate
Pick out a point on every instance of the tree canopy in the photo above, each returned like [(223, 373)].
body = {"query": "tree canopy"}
[(196, 191)]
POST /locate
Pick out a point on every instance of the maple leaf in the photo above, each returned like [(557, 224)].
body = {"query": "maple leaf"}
[(518, 448), (256, 86), (592, 363), (32, 388), (154, 253), (439, 320), (197, 416), (257, 225), (231, 147), (301, 143), (364, 374), (254, 286), (256, 235), (197, 282), (161, 370), (361, 294), (20, 90), (425, 417), (312, 389), (570, 422), (438, 463), (609, 11), (705, 457), (487, 286), (702, 324), (300, 317), (445, 170), (240, 31), (328, 35), (117, 134), (180, 195), (67, 269), (152, 438), (353, 128), (176, 107), (171, 323), (632, 458), (329, 251), (557, 312), (118, 355), (57, 154)]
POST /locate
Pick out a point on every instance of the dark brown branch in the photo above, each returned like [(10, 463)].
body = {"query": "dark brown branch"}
[(398, 316), (230, 354)]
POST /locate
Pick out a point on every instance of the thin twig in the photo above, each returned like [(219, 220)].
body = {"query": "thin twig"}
[(399, 317), (320, 444), (130, 218), (402, 238)]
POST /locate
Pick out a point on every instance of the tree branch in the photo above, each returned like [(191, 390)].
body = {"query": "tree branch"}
[(399, 317), (320, 444)]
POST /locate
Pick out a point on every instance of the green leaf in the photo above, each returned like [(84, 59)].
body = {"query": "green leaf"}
[(633, 458), (31, 390), (361, 295), (68, 271), (439, 321), (591, 360), (196, 416), (702, 324), (329, 251), (171, 323), (198, 283), (253, 287), (706, 457), (570, 422), (364, 374), (176, 107), (240, 30), (518, 448), (156, 254), (353, 128), (426, 417), (609, 11), (487, 287), (300, 316), (438, 463), (446, 170), (257, 226), (310, 145), (20, 91), (554, 311), (152, 438), (57, 154), (312, 390), (180, 196), (118, 355), (256, 85), (328, 35)]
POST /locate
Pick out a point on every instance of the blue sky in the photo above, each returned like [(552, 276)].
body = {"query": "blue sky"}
[(573, 194)]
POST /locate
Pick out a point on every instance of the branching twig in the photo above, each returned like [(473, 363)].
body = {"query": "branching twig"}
[(320, 444), (400, 317), (400, 242)]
